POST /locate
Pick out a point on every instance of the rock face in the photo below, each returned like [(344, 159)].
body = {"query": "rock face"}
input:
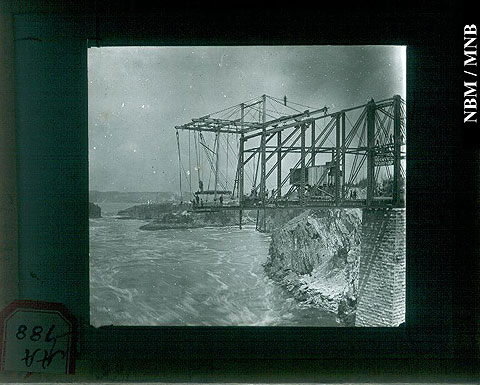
[(94, 211), (276, 219), (315, 256)]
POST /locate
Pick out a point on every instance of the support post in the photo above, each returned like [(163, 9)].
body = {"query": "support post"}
[(313, 143), (179, 166), (397, 178), (263, 154), (217, 151), (370, 151), (279, 165), (240, 163), (337, 159), (302, 164), (332, 164), (263, 160)]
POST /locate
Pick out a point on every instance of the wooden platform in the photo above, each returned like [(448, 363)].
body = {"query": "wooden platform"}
[(381, 202)]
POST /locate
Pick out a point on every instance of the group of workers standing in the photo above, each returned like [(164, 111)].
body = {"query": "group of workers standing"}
[(199, 202)]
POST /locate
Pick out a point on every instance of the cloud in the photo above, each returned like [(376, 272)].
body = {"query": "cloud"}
[(175, 84)]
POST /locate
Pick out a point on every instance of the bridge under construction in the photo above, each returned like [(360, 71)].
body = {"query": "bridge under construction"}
[(272, 153)]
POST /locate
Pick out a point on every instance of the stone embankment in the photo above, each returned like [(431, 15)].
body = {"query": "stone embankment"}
[(315, 256)]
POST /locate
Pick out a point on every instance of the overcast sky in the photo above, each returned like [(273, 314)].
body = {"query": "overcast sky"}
[(137, 95)]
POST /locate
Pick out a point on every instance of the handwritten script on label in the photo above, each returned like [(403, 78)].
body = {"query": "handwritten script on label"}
[(48, 355), (37, 340)]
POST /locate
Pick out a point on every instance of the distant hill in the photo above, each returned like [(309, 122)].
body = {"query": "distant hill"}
[(135, 197)]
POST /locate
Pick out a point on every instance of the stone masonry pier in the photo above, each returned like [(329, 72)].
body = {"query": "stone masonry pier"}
[(381, 300)]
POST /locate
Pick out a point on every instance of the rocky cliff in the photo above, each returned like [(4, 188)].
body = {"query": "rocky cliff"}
[(315, 256), (94, 211), (276, 219)]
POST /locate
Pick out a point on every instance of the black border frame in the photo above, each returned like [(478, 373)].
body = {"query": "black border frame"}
[(442, 271)]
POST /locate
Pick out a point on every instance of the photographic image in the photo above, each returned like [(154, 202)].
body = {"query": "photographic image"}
[(247, 185)]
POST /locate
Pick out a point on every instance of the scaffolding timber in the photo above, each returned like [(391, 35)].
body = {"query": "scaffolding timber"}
[(368, 139)]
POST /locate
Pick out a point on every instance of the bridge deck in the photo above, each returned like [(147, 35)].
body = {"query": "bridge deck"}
[(358, 203)]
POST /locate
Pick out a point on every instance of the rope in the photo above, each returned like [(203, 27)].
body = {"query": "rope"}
[(211, 163), (179, 166), (185, 172), (354, 172), (260, 112), (226, 184), (355, 127), (273, 106), (189, 162), (197, 157), (249, 112), (235, 111), (237, 105)]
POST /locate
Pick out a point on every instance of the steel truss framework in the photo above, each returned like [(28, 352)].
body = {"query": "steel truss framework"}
[(370, 136)]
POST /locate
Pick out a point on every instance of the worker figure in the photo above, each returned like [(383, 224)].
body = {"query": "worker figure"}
[(221, 200), (200, 185)]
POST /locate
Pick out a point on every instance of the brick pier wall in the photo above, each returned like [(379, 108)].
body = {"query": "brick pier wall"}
[(381, 300)]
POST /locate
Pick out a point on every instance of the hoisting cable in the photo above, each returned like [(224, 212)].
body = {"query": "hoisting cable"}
[(226, 172), (353, 172), (179, 167), (197, 157), (189, 162), (182, 167), (211, 162)]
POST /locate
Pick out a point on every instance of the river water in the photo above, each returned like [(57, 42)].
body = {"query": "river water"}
[(206, 276)]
